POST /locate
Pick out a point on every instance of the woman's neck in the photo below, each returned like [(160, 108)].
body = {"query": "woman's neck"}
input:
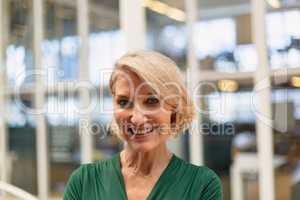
[(145, 163)]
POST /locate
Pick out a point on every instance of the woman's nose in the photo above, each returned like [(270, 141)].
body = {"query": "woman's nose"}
[(137, 117)]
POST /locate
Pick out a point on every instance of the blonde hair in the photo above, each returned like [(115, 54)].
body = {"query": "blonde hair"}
[(163, 74)]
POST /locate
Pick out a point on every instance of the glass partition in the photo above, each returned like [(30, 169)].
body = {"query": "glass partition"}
[(21, 143), (283, 34), (18, 41), (223, 36), (60, 48), (166, 29), (61, 112), (106, 40), (227, 59), (283, 40), (229, 130)]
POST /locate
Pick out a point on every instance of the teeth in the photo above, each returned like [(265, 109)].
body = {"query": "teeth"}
[(144, 131), (140, 132)]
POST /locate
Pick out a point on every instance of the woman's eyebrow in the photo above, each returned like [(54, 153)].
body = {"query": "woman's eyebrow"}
[(151, 93), (148, 94), (122, 96)]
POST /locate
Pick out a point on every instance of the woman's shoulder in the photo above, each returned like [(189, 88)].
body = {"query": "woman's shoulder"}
[(95, 167), (202, 170), (83, 178), (202, 178)]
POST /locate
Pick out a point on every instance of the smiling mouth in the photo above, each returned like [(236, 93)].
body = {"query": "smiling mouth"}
[(133, 132)]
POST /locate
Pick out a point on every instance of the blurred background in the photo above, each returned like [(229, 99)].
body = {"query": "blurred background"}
[(48, 46)]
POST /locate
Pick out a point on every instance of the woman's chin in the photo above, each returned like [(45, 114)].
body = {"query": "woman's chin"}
[(146, 143), (142, 147)]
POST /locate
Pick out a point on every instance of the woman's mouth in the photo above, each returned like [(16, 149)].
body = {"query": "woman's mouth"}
[(141, 132)]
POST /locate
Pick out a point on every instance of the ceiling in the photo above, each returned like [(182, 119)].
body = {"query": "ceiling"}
[(206, 4), (213, 4), (104, 14)]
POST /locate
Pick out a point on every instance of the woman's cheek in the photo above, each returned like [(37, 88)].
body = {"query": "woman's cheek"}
[(120, 117)]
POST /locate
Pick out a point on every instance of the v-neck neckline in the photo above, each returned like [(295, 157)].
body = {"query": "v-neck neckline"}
[(117, 163)]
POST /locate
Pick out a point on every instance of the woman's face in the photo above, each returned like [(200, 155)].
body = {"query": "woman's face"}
[(143, 119)]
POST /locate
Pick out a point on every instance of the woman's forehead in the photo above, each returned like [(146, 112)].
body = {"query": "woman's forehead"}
[(126, 86)]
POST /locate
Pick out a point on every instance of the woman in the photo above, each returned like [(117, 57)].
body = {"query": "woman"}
[(151, 105)]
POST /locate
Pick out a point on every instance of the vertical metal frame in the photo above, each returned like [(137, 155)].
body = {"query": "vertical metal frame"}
[(193, 77), (83, 31), (39, 98), (132, 18), (263, 128), (3, 129)]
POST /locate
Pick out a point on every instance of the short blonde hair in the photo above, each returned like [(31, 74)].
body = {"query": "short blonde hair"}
[(163, 74)]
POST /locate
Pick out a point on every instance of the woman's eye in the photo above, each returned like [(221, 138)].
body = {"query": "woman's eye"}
[(152, 100), (123, 103)]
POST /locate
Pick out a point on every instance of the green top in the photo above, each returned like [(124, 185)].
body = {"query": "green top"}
[(180, 180)]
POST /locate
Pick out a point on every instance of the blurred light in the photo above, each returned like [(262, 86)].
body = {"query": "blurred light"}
[(176, 14), (228, 85), (165, 9), (295, 81), (274, 3), (157, 6)]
